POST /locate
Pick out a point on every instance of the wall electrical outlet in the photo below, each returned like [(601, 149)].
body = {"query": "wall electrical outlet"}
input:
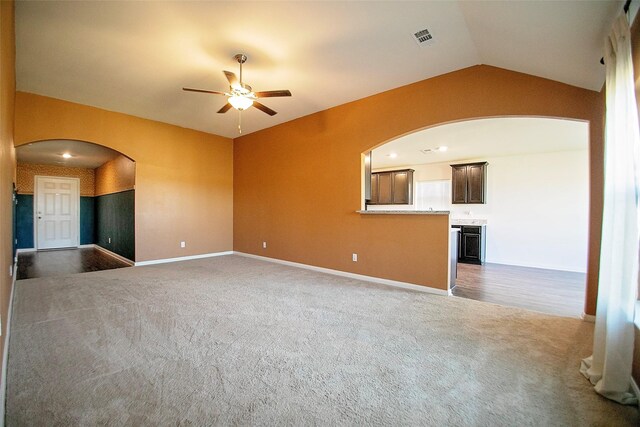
[(354, 257), (264, 245), (183, 244), (109, 239)]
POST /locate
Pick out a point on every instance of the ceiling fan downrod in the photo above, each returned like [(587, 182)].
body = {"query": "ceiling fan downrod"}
[(241, 58)]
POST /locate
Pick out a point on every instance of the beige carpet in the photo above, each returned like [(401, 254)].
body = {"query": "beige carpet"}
[(232, 340)]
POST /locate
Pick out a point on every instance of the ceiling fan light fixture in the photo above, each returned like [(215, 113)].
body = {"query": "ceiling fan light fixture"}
[(240, 102)]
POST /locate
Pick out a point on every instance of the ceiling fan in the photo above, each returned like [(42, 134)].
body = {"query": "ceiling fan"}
[(240, 95)]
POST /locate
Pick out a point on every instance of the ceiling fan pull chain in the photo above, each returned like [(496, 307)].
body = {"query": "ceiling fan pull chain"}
[(240, 119)]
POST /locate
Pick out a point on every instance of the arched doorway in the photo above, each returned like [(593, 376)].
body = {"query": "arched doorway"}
[(526, 242), (74, 194)]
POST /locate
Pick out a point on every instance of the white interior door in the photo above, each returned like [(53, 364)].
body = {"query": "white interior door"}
[(57, 212)]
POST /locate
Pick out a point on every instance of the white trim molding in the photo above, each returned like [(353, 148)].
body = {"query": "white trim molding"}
[(373, 279), (108, 252), (588, 317), (25, 250), (5, 352), (182, 258)]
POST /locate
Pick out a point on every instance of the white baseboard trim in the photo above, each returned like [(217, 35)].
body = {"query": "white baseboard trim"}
[(182, 258), (89, 245), (636, 390), (588, 317), (379, 280), (113, 254), (5, 352), (21, 251)]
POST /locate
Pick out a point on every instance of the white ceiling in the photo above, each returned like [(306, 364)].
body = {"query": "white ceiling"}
[(85, 155), (134, 57), (483, 138)]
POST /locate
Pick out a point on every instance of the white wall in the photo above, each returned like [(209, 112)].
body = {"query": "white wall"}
[(536, 208)]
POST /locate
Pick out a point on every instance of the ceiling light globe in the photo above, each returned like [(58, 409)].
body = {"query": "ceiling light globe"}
[(240, 102)]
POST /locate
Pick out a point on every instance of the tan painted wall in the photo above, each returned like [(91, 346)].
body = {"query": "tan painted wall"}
[(26, 172), (298, 185), (7, 156), (116, 175), (184, 178)]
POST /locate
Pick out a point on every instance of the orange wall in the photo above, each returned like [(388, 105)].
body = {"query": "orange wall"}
[(297, 185), (184, 178), (26, 172), (115, 175), (7, 156)]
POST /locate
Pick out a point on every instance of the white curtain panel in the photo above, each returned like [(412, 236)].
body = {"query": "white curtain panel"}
[(609, 368)]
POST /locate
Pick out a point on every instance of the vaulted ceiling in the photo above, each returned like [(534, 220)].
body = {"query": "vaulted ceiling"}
[(134, 57)]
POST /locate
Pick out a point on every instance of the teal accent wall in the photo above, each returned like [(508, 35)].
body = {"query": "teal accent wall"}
[(24, 221), (114, 218), (14, 210), (87, 220)]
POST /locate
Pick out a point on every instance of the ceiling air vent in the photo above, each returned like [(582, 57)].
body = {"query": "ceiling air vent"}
[(423, 37)]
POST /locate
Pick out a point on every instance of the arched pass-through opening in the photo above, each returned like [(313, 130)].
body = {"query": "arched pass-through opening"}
[(103, 215), (533, 222)]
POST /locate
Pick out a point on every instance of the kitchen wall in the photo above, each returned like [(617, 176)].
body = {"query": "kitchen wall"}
[(305, 197), (184, 178), (537, 208), (7, 160)]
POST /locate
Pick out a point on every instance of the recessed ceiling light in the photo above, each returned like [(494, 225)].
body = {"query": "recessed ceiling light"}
[(66, 155), (443, 148), (392, 155)]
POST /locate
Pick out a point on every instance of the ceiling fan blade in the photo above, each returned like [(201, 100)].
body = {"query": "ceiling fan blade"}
[(203, 91), (233, 80), (273, 93), (264, 108), (224, 108)]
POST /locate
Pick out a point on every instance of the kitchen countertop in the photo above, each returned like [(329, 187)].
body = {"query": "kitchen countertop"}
[(468, 221), (403, 212)]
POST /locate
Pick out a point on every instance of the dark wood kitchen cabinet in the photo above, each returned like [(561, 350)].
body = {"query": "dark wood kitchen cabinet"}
[(392, 187), (472, 243), (468, 183)]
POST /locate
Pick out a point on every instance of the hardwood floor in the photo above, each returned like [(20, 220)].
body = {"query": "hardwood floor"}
[(64, 261), (548, 291)]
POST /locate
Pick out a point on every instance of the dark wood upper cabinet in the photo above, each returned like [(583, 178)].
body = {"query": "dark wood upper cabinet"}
[(374, 189), (392, 187), (402, 187), (385, 188), (468, 183), (459, 184)]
